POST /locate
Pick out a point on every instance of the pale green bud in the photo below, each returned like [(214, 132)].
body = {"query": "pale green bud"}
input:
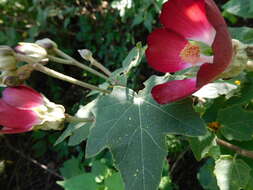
[(8, 63), (239, 61), (46, 43), (86, 54), (35, 52)]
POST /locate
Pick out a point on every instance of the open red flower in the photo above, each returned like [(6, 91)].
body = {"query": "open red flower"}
[(169, 48), (17, 106)]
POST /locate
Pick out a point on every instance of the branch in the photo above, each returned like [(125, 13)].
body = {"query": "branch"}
[(235, 148)]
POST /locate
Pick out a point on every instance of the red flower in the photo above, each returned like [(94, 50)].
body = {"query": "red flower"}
[(169, 48), (17, 106)]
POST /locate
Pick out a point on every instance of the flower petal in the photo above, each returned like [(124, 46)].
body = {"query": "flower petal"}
[(6, 130), (174, 90), (163, 51), (222, 47), (188, 18), (22, 97), (12, 117)]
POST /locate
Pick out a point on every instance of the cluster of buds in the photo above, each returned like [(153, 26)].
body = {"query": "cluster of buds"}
[(14, 75), (23, 109), (8, 63)]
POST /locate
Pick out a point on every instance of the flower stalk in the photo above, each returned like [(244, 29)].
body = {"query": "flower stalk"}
[(87, 55), (74, 119), (74, 62), (66, 78)]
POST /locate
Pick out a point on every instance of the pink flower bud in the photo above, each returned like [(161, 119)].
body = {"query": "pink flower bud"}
[(22, 109)]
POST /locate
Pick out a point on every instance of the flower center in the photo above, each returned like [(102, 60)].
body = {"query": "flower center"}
[(190, 53)]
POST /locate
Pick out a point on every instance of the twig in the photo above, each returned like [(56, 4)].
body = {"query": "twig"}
[(235, 148), (44, 167), (66, 78)]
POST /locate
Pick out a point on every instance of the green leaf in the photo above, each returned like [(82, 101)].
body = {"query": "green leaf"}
[(80, 134), (236, 123), (80, 130), (243, 34), (246, 93), (134, 58), (204, 146), (81, 182), (133, 127), (206, 176), (138, 19), (231, 174), (71, 168), (250, 184), (114, 182), (240, 8)]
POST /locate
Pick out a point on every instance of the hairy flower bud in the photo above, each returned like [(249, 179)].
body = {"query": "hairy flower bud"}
[(35, 52), (46, 43), (7, 59)]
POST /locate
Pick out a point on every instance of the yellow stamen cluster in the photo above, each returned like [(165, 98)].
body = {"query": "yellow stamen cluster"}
[(237, 82), (190, 53)]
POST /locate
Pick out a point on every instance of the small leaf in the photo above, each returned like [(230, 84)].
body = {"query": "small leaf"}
[(231, 174), (80, 182), (71, 168), (83, 112), (204, 146), (239, 8), (206, 176), (133, 59), (114, 182), (134, 126), (236, 123), (244, 34)]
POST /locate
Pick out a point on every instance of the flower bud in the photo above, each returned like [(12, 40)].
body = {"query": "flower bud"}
[(35, 52), (239, 61), (7, 59), (7, 63), (86, 54), (5, 50), (46, 43), (23, 109)]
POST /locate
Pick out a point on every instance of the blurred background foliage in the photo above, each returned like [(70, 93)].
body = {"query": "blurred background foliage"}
[(109, 29)]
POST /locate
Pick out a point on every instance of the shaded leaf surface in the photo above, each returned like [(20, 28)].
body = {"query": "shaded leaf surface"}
[(240, 8), (133, 126), (237, 123), (204, 146), (231, 174), (244, 34)]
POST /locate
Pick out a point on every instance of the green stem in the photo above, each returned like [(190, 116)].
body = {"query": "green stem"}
[(74, 119), (66, 78), (100, 66), (78, 64)]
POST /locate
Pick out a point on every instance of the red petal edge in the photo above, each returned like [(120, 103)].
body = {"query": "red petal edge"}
[(222, 47), (163, 51), (16, 119), (22, 97), (174, 90), (188, 18)]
